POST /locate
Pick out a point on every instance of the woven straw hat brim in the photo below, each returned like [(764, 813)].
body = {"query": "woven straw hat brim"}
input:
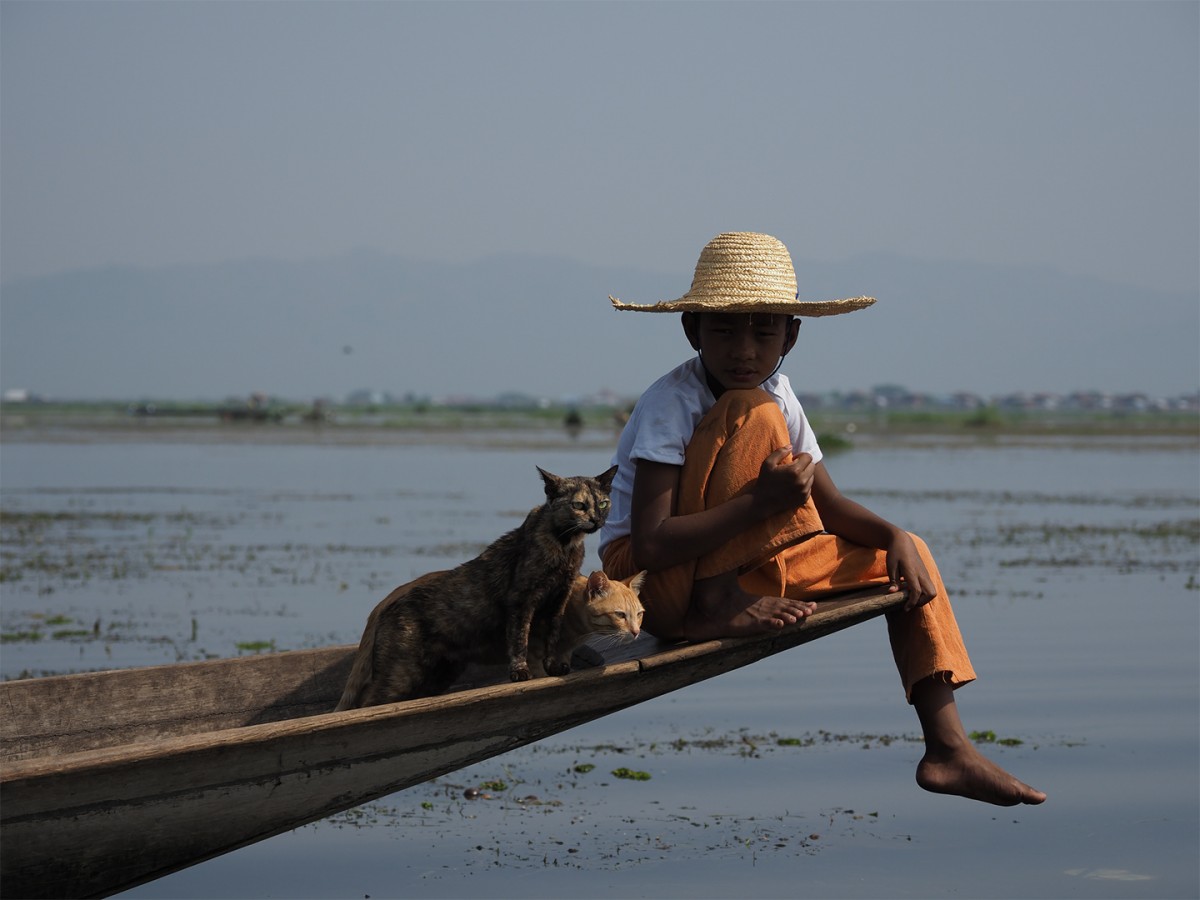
[(747, 272), (750, 304)]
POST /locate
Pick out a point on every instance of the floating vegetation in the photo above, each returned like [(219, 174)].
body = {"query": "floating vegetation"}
[(740, 741), (460, 550), (579, 827), (41, 622), (631, 774), (744, 743), (149, 565), (13, 637), (255, 646), (1163, 546), (33, 522), (66, 634), (985, 498), (43, 551), (989, 737), (578, 830)]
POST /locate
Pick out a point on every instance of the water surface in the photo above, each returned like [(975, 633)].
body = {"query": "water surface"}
[(1073, 568)]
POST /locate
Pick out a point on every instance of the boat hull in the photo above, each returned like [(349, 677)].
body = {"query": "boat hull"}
[(160, 796)]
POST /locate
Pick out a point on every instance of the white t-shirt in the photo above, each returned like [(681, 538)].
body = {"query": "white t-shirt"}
[(663, 421)]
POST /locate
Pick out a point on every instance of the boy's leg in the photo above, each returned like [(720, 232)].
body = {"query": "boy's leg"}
[(664, 594), (952, 764), (929, 654), (723, 459), (926, 642)]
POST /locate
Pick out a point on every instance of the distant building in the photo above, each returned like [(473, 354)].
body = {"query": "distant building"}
[(369, 397)]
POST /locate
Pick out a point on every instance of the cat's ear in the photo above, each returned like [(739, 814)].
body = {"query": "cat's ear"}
[(635, 582), (606, 478), (597, 582), (551, 481)]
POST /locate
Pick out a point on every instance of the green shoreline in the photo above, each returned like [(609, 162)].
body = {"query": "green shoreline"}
[(19, 422)]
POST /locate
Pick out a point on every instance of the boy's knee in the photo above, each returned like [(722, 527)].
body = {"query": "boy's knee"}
[(922, 547), (741, 410), (744, 403)]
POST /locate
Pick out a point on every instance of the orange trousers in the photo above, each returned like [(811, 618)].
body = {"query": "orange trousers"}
[(788, 555)]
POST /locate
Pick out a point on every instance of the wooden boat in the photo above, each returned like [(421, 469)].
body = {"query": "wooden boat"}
[(113, 779)]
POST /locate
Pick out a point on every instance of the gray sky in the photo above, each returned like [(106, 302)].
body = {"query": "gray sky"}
[(1063, 135)]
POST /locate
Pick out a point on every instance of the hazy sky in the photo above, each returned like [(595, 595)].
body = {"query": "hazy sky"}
[(1062, 134)]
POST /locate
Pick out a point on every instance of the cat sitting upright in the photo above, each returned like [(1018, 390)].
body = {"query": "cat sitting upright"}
[(421, 637)]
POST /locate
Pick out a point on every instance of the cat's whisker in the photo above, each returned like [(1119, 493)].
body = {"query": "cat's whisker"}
[(612, 640)]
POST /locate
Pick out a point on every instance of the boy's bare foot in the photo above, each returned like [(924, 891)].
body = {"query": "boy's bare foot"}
[(968, 773), (720, 608), (952, 764)]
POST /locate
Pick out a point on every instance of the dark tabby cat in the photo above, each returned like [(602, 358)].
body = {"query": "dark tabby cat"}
[(421, 637), (597, 606)]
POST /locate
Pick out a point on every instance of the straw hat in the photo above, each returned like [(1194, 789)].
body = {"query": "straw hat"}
[(741, 271)]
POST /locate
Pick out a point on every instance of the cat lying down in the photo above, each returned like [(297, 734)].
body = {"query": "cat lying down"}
[(597, 608)]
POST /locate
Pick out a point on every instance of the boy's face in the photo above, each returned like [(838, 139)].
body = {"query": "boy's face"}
[(740, 350)]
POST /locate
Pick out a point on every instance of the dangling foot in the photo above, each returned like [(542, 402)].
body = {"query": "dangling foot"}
[(966, 772), (952, 764)]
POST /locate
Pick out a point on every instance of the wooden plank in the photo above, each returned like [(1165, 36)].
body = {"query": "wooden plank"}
[(72, 713)]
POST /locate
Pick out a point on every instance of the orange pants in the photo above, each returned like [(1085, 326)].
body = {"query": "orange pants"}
[(788, 555)]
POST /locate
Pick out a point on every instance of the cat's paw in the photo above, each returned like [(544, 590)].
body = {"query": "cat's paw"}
[(558, 667), (518, 672)]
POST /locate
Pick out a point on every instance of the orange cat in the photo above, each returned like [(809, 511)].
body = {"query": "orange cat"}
[(597, 606)]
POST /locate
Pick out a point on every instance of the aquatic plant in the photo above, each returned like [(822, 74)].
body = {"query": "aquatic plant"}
[(255, 646), (631, 774), (989, 737)]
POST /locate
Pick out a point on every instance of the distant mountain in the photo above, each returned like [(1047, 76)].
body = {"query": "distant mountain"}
[(543, 326)]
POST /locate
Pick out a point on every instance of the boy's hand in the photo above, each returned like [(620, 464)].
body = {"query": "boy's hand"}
[(907, 569), (784, 482)]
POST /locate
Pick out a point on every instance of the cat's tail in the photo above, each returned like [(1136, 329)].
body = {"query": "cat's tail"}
[(362, 672)]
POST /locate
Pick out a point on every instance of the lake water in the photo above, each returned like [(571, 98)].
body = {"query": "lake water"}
[(1073, 565)]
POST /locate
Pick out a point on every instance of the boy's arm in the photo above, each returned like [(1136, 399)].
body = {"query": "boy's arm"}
[(661, 539), (842, 516)]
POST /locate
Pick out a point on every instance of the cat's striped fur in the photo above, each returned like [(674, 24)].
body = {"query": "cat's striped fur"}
[(421, 637)]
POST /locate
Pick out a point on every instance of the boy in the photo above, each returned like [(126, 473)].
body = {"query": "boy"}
[(722, 495)]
